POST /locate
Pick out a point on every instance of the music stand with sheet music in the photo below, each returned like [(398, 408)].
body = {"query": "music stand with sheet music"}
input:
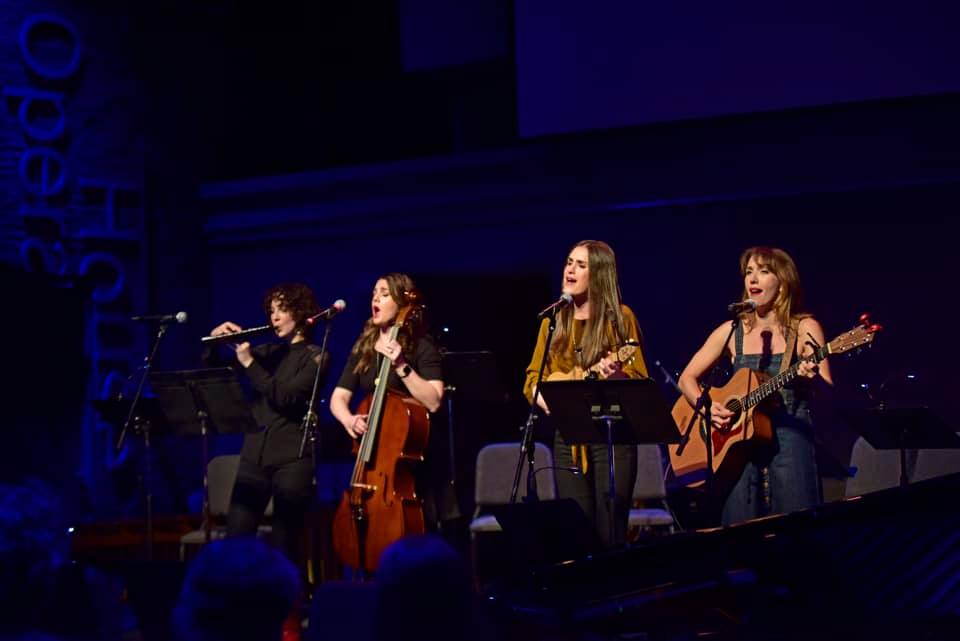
[(903, 428), (625, 411), (202, 401)]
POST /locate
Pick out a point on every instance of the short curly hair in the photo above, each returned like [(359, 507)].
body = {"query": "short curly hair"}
[(296, 298)]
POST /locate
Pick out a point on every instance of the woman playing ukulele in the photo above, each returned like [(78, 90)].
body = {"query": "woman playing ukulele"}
[(593, 334)]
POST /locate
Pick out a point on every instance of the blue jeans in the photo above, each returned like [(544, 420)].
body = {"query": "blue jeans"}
[(792, 473)]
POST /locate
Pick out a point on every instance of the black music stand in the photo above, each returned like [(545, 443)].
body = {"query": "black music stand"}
[(469, 377), (115, 410), (545, 532), (611, 412), (903, 428), (144, 415), (201, 401)]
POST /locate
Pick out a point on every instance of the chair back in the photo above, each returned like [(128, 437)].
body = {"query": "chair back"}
[(221, 475), (496, 465), (932, 463), (649, 483), (875, 470)]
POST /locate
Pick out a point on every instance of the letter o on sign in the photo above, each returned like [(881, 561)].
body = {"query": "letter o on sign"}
[(50, 62)]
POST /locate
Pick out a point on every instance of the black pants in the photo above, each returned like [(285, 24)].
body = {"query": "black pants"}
[(590, 490), (290, 485)]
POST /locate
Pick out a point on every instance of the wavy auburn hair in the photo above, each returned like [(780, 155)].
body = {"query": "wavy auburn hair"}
[(789, 302)]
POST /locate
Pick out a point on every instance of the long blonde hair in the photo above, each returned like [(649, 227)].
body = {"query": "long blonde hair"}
[(604, 328), (399, 285), (789, 302)]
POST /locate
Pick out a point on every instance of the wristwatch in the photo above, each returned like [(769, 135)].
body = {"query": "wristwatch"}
[(405, 372)]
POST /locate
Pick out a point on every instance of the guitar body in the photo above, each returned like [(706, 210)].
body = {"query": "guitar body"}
[(731, 447), (747, 393), (576, 374)]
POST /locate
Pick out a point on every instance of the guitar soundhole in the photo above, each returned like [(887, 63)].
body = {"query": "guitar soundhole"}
[(734, 406)]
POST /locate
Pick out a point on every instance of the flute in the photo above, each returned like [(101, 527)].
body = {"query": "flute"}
[(237, 337)]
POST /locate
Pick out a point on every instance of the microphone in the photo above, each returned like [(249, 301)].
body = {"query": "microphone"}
[(338, 306), (564, 300), (748, 305), (180, 317)]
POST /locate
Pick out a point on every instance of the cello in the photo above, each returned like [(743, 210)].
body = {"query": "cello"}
[(380, 505)]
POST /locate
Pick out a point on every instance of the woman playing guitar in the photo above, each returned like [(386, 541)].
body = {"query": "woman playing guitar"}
[(390, 337), (781, 475), (597, 334)]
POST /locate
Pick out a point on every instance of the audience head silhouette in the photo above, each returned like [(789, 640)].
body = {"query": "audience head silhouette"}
[(237, 589), (422, 579)]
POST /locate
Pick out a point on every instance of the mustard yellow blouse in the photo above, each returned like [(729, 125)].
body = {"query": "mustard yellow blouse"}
[(565, 361)]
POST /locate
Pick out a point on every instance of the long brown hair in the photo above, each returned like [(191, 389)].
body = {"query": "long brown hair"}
[(789, 302), (604, 329), (399, 285)]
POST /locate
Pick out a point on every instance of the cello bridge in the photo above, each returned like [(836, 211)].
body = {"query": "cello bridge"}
[(364, 486)]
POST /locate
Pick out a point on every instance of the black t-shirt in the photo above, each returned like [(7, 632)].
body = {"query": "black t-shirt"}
[(281, 376), (424, 359)]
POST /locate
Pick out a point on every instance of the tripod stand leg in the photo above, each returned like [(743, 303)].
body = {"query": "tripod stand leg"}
[(148, 490), (612, 485), (903, 467), (202, 416)]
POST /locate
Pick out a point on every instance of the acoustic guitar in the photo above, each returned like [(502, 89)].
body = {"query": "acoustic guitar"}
[(750, 427)]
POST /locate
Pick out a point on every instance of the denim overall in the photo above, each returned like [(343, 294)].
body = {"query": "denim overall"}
[(783, 477)]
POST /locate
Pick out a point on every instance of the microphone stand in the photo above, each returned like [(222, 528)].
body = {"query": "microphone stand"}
[(526, 444), (310, 420), (309, 429), (702, 411), (145, 427)]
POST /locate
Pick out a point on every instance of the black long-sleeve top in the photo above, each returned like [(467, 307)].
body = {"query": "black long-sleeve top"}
[(281, 377)]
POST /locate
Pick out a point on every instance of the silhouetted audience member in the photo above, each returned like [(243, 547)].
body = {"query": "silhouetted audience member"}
[(237, 589), (33, 547), (423, 582)]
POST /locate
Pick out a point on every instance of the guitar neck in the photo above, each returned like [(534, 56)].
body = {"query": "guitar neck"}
[(780, 381), (624, 355)]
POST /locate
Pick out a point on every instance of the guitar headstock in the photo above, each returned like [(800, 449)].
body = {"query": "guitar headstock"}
[(628, 351), (857, 337)]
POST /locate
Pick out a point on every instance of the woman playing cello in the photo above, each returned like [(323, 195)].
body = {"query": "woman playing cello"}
[(390, 346)]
